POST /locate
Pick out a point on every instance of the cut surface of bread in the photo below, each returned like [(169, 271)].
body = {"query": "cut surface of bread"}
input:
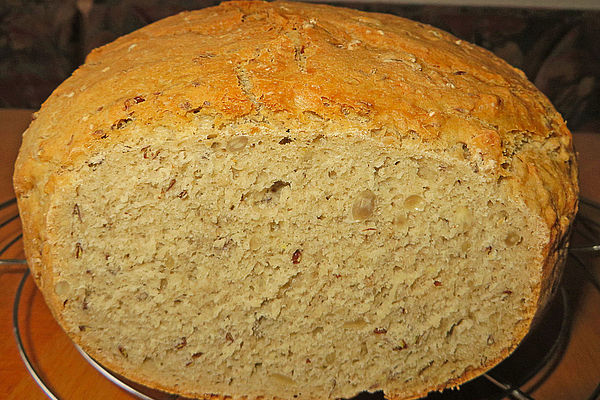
[(201, 233), (331, 268)]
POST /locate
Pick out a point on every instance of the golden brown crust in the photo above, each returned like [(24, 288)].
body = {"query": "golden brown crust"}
[(283, 62)]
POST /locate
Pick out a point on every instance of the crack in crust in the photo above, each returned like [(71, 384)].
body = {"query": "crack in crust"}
[(245, 85)]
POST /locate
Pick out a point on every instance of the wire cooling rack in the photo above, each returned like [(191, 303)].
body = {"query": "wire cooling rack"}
[(495, 384)]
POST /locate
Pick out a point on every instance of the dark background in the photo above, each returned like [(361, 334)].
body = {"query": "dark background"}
[(42, 42)]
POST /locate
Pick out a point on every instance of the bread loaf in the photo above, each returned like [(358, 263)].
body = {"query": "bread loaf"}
[(283, 200)]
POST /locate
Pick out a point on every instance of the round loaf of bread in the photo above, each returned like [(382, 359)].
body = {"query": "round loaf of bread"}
[(283, 200)]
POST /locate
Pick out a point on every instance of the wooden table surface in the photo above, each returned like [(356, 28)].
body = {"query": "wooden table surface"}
[(71, 377)]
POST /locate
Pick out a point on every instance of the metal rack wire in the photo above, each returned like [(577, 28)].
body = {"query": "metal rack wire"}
[(587, 225)]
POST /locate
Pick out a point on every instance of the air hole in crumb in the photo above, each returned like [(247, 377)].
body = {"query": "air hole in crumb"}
[(412, 134), (142, 296), (502, 216), (163, 284), (317, 330), (332, 174), (466, 151), (278, 185), (285, 140)]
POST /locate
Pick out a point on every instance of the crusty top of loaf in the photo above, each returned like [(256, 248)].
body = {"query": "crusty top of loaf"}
[(293, 64), (290, 59)]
